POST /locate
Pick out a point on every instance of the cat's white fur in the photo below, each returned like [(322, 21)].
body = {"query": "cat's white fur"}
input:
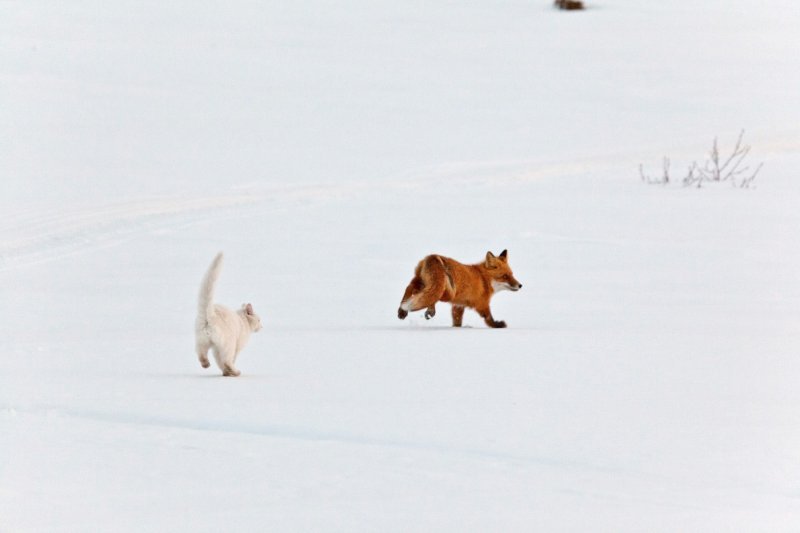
[(219, 329)]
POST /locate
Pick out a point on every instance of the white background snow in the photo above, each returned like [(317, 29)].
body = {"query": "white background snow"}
[(648, 380)]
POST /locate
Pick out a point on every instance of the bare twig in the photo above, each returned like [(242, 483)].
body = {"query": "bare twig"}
[(746, 182), (693, 176), (663, 180)]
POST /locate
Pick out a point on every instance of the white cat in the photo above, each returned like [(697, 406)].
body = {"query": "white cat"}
[(223, 331)]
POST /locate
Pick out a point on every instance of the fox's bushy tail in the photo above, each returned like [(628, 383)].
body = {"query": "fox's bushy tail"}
[(430, 282), (205, 302)]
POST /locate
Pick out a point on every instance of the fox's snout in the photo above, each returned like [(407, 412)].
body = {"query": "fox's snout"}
[(511, 282), (506, 284)]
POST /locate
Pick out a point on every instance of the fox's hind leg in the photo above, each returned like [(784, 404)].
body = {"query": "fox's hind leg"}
[(430, 312), (426, 299)]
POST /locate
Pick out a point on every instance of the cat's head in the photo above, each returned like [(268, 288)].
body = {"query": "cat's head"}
[(252, 317)]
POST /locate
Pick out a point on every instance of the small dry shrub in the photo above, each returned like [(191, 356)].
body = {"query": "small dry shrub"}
[(715, 169)]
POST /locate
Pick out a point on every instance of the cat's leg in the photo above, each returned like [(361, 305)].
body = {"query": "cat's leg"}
[(218, 358), (230, 371), (228, 360), (202, 353)]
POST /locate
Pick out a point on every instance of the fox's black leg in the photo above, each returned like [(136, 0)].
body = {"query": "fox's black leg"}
[(490, 321)]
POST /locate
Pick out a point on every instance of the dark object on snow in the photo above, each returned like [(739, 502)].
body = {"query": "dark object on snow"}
[(569, 4)]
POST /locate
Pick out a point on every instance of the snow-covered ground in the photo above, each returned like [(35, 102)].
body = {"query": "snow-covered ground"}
[(648, 379)]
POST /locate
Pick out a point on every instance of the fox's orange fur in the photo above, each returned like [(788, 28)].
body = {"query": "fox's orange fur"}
[(441, 279)]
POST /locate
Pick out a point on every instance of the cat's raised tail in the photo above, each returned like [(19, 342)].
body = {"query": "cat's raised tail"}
[(205, 301)]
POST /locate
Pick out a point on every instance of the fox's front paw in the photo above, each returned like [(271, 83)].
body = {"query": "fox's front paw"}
[(401, 313), (430, 313), (499, 324)]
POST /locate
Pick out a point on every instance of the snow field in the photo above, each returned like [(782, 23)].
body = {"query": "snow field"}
[(646, 382)]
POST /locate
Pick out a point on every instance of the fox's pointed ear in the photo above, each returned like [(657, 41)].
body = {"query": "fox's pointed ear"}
[(491, 260), (248, 308), (504, 254)]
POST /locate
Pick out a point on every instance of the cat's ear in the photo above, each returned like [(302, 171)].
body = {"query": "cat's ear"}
[(248, 308)]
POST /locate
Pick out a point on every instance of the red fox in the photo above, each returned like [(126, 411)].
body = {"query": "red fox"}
[(441, 279)]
